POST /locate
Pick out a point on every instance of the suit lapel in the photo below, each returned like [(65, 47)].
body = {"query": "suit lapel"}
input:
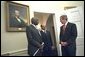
[(36, 30), (67, 27)]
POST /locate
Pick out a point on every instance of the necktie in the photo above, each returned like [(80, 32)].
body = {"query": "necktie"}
[(39, 32), (63, 28)]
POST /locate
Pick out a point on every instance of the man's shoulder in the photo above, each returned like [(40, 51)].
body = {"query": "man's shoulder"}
[(71, 23), (30, 26)]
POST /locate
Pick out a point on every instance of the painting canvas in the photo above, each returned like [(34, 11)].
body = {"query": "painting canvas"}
[(17, 17)]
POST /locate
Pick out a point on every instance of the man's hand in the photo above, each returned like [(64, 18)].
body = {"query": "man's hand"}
[(53, 47), (64, 43), (42, 45)]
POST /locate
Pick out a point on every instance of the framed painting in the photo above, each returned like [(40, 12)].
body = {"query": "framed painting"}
[(17, 17)]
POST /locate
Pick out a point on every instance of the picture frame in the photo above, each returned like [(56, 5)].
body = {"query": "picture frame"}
[(17, 17), (69, 7)]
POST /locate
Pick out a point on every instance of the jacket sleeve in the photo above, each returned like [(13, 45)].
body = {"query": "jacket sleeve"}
[(50, 40), (73, 34)]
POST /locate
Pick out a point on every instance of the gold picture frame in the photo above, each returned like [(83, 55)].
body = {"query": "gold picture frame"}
[(17, 17)]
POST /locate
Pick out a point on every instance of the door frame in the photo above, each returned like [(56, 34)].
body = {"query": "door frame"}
[(55, 29)]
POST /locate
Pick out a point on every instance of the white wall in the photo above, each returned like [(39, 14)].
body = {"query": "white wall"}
[(13, 41)]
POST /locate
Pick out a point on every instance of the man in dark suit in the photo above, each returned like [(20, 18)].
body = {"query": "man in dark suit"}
[(16, 21), (48, 46), (34, 38), (68, 35)]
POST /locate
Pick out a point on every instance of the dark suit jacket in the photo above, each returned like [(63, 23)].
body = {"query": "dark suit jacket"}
[(47, 50), (70, 34), (46, 38), (34, 39), (13, 22)]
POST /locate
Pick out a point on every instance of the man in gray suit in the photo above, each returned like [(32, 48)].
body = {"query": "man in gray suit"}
[(34, 38)]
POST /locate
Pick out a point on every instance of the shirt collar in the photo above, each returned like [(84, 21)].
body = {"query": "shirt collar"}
[(44, 30), (34, 26)]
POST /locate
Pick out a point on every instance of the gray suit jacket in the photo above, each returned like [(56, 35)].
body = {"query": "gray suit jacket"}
[(34, 39)]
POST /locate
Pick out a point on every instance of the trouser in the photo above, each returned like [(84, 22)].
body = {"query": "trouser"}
[(69, 50)]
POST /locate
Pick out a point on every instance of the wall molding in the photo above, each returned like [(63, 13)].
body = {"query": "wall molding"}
[(12, 52)]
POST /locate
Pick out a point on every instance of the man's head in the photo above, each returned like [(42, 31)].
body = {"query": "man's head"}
[(63, 19), (34, 21), (43, 27), (17, 13)]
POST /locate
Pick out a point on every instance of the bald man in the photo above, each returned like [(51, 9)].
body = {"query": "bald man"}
[(34, 38), (68, 35)]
